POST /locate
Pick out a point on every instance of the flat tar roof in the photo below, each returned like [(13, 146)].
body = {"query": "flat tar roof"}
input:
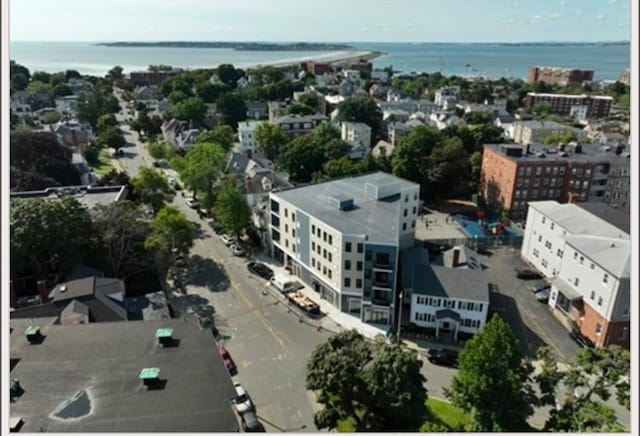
[(104, 360)]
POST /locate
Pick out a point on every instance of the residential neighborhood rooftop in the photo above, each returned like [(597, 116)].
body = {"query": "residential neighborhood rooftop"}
[(87, 195), (103, 361), (581, 221)]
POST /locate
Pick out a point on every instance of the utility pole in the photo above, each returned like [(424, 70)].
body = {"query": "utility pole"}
[(400, 315)]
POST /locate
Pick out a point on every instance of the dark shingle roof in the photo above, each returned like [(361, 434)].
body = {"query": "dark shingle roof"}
[(607, 213), (464, 284)]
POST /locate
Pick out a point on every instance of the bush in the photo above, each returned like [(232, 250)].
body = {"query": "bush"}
[(92, 155)]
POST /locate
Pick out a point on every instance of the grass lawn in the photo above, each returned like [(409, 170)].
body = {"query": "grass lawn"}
[(104, 163), (448, 414)]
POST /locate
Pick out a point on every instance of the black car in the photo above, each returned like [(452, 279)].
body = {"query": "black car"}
[(260, 269), (527, 274), (441, 356)]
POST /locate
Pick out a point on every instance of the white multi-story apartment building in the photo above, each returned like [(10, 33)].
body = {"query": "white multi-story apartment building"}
[(448, 94), (356, 133), (344, 237), (247, 135), (583, 249)]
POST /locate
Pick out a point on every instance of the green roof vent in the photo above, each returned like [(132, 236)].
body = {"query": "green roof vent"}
[(165, 336), (149, 376), (33, 334)]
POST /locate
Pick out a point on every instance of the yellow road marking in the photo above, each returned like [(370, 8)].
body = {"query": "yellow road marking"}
[(247, 302)]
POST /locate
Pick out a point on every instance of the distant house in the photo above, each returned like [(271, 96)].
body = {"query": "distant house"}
[(242, 83), (257, 110), (247, 137), (382, 148), (296, 125), (449, 94), (80, 87), (395, 115), (66, 104), (356, 132), (396, 130), (73, 134), (445, 119), (530, 132), (81, 165), (179, 133), (88, 196), (37, 100), (276, 109)]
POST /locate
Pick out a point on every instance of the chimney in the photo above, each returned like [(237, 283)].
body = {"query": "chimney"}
[(43, 291), (525, 148), (456, 257), (12, 298)]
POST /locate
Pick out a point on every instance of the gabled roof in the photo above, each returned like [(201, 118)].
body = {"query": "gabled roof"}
[(580, 220), (612, 254), (75, 307), (464, 284)]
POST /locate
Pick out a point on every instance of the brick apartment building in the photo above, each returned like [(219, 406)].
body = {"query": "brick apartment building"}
[(149, 78), (559, 76), (596, 106), (513, 175)]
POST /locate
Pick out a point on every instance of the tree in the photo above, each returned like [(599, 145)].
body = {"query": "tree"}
[(115, 73), (379, 387), (122, 230), (72, 74), (39, 161), (50, 117), (112, 137), (191, 109), (231, 209), (309, 99), (447, 171), (363, 110), (411, 154), (477, 117), (19, 81), (300, 109), (475, 167), (40, 76), (152, 188), (171, 229), (161, 149), (222, 135), (591, 379), (228, 75), (61, 89), (233, 109), (492, 383), (560, 138), (16, 68), (201, 167), (49, 236), (210, 92), (179, 82), (541, 110), (40, 88), (341, 167), (105, 121), (271, 138)]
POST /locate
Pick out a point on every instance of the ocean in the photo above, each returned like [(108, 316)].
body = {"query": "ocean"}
[(495, 60)]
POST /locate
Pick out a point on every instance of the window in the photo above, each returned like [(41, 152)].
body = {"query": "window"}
[(293, 216), (313, 229), (593, 266), (368, 255), (539, 238), (360, 247), (405, 212), (544, 219), (286, 212), (593, 295), (575, 255), (552, 226), (359, 266), (598, 328), (286, 228), (324, 270), (313, 246), (358, 283), (599, 301), (324, 253), (347, 264), (367, 273), (318, 249), (318, 232), (406, 198), (293, 232), (286, 243), (347, 247), (415, 210), (330, 240), (324, 236), (605, 279), (329, 257), (293, 247), (413, 224), (404, 226), (576, 281), (559, 253), (329, 271)]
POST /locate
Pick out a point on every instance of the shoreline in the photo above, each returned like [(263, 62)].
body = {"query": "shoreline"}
[(351, 56)]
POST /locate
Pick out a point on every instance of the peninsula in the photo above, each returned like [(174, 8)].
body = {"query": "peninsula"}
[(244, 46)]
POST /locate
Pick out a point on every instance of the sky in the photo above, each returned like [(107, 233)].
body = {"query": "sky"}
[(320, 20)]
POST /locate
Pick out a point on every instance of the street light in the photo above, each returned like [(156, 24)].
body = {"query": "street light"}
[(400, 315)]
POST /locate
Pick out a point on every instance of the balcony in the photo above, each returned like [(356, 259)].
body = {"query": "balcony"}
[(382, 284), (381, 301)]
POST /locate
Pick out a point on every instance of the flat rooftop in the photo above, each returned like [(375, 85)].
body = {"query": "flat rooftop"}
[(589, 153), (88, 196), (376, 218), (103, 361)]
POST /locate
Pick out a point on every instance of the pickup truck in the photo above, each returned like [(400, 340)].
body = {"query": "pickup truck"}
[(304, 303)]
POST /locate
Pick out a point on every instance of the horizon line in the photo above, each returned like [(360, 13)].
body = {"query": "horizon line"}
[(332, 42)]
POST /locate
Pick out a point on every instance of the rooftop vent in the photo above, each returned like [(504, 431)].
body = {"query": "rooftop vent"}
[(165, 336), (63, 288), (33, 334), (149, 376), (540, 154), (341, 202)]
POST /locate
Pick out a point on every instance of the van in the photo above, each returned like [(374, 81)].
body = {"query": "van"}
[(282, 283), (250, 422)]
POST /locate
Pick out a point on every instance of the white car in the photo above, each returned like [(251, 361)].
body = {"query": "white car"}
[(237, 250), (227, 240), (192, 203), (242, 401)]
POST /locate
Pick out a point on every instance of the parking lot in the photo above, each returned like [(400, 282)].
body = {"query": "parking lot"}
[(531, 321)]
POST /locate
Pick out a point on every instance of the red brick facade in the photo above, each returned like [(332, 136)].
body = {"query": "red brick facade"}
[(599, 330)]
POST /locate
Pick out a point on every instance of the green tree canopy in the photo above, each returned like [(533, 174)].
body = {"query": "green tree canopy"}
[(122, 230), (309, 99), (161, 149), (112, 137), (115, 73), (105, 121), (560, 138), (209, 92), (231, 209), (378, 386), (191, 109), (271, 138), (222, 135), (152, 188), (19, 81), (50, 236), (233, 109), (40, 76), (171, 229), (363, 110), (492, 383), (300, 109), (201, 167)]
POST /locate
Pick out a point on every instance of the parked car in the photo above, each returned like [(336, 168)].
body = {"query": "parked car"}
[(237, 250), (580, 339), (527, 274), (227, 240), (484, 252), (174, 183), (228, 362), (217, 228), (540, 286), (442, 356), (242, 400), (181, 261), (250, 422), (192, 202), (260, 269), (543, 296), (203, 213)]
